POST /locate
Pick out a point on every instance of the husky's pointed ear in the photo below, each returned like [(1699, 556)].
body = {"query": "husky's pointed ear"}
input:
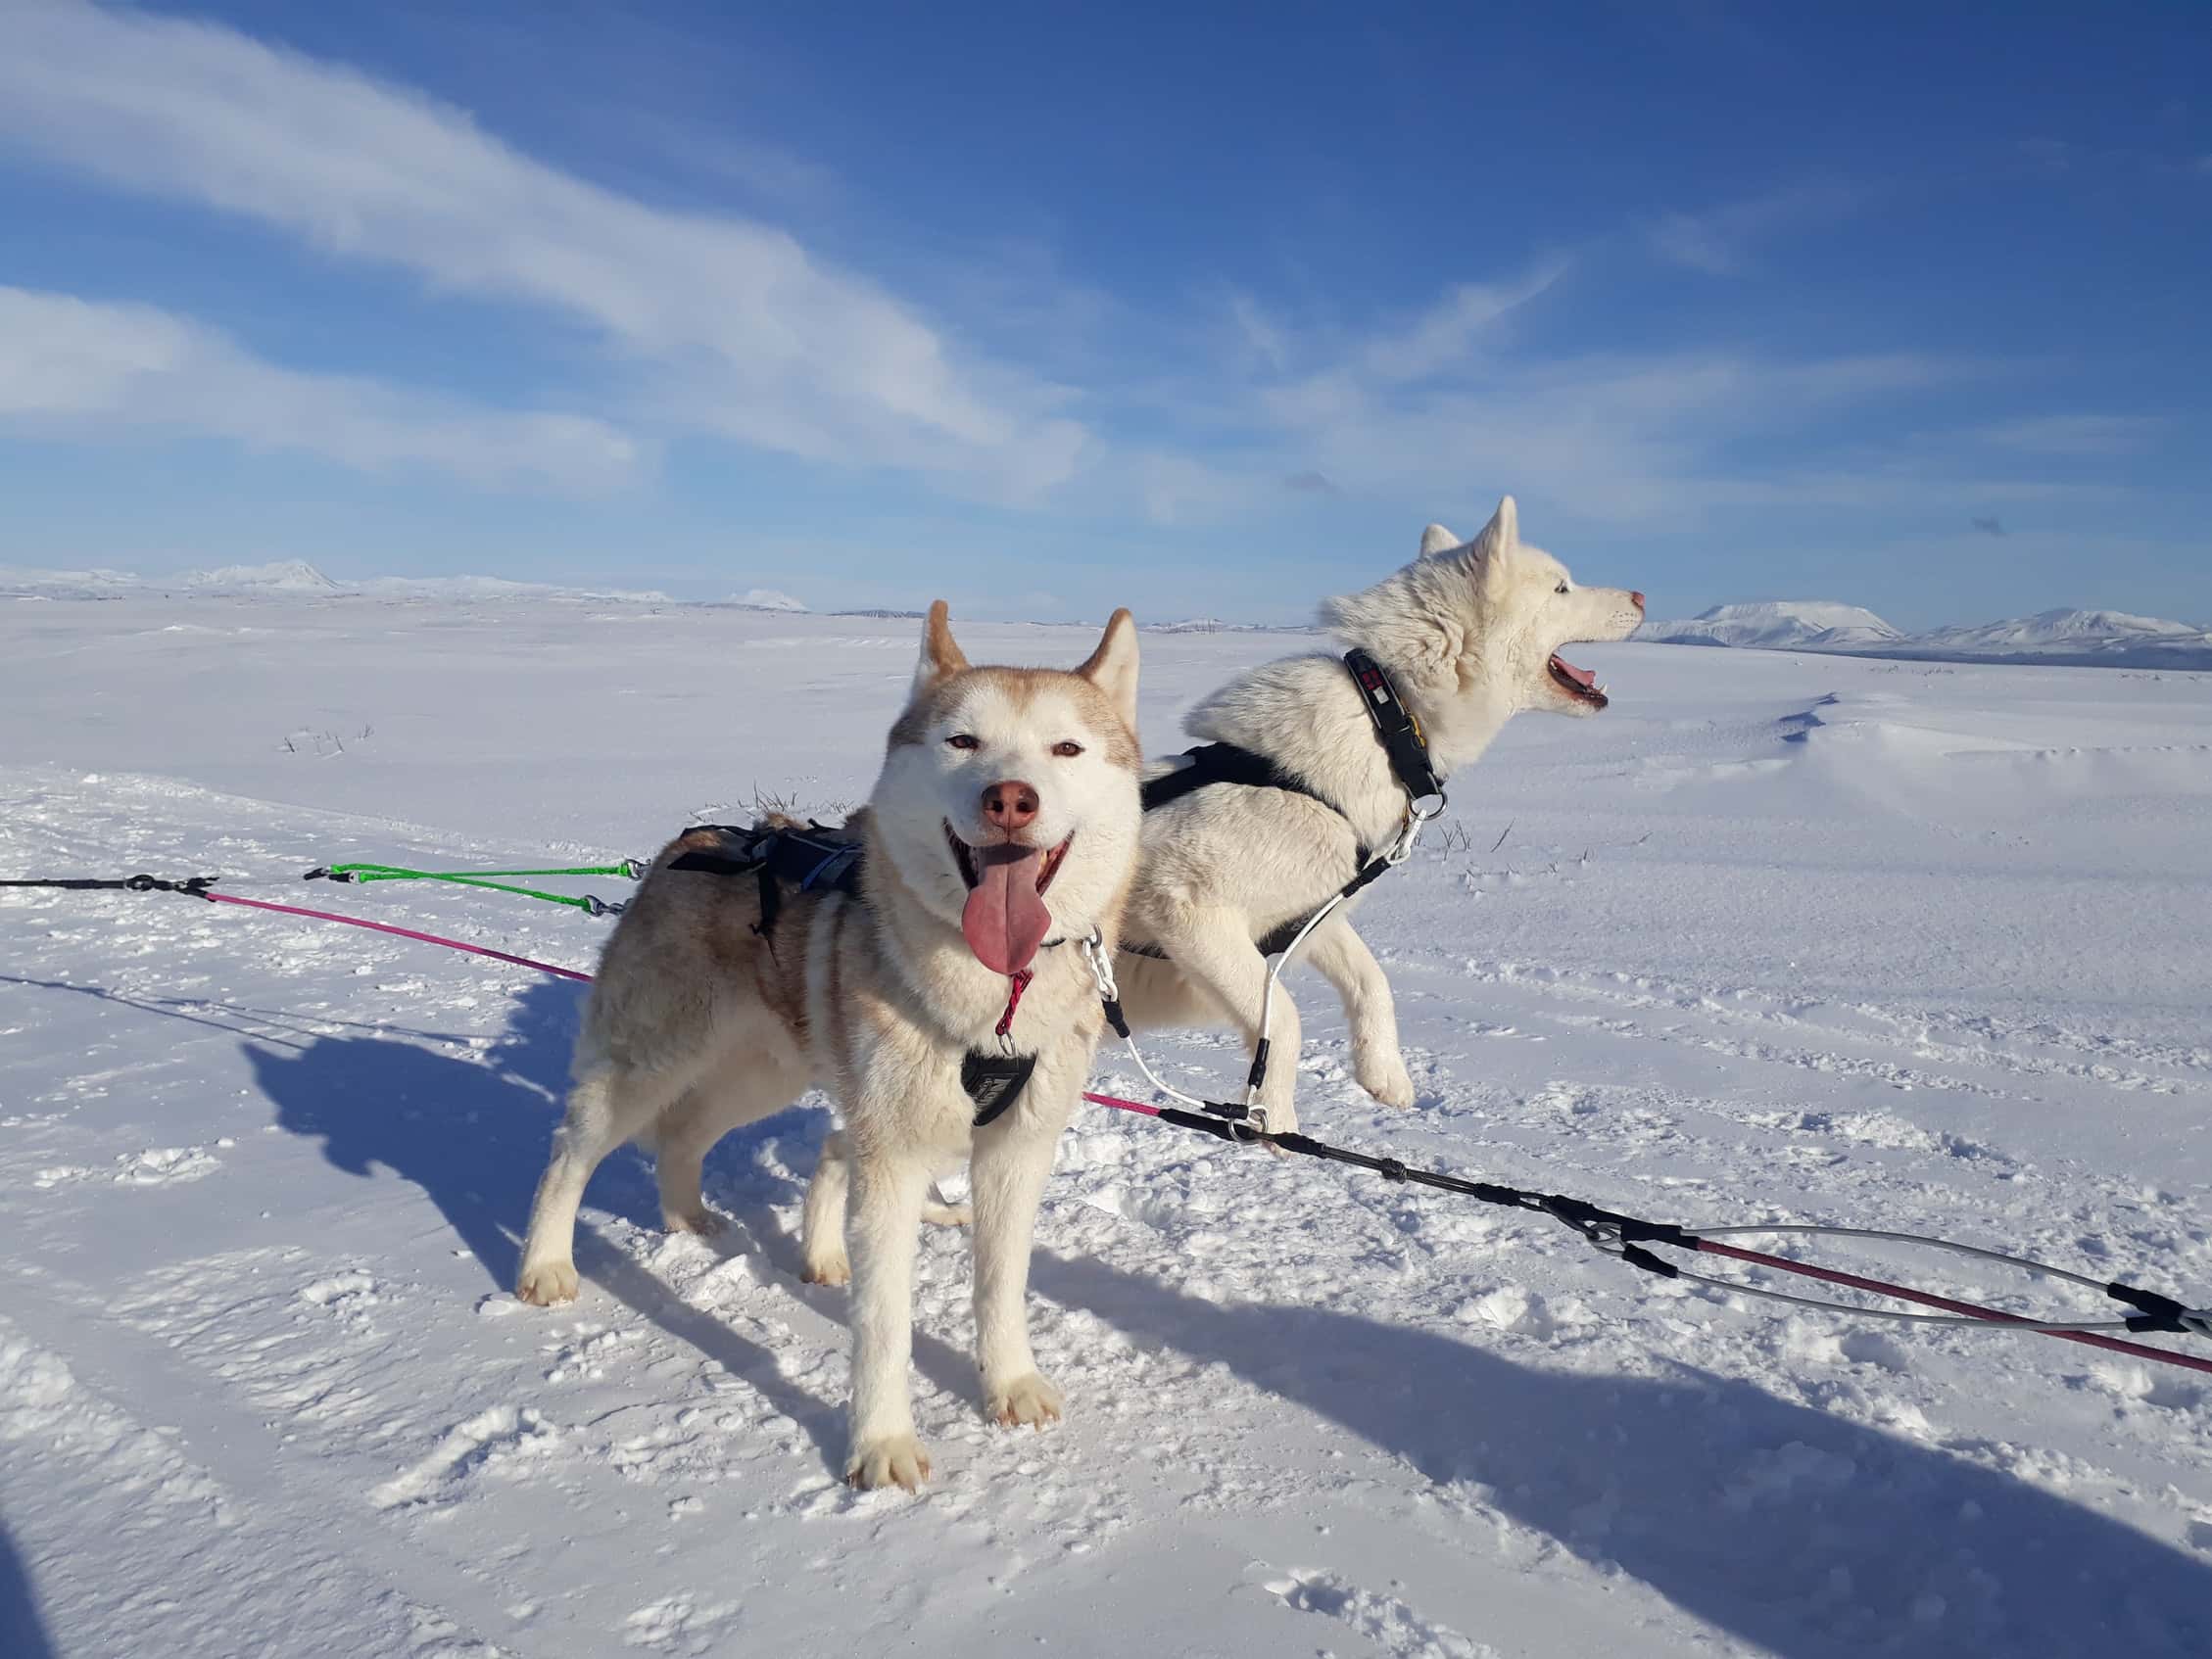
[(1503, 531), (941, 654), (1437, 540), (1112, 668)]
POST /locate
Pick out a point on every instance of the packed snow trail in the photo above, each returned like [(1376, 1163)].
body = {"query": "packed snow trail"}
[(1828, 938)]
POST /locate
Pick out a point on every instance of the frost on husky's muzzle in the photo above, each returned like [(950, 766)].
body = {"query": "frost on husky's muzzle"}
[(1005, 920)]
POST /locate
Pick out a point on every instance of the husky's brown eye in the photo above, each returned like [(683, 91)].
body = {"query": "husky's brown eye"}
[(961, 741), (1560, 588), (1067, 750)]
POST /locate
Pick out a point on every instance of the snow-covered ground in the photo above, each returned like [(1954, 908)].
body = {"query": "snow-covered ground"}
[(1878, 942)]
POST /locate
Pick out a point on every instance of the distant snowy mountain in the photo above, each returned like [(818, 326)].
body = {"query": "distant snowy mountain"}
[(494, 587), (286, 576), (767, 598), (295, 579), (22, 582), (2104, 639), (2092, 638), (1205, 624), (2068, 630), (1777, 625)]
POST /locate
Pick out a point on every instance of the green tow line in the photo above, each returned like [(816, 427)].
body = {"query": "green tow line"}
[(629, 870)]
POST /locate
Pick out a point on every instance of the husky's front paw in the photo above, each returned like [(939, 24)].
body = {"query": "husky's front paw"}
[(889, 1461), (545, 1283), (1384, 1077), (1028, 1399), (826, 1269)]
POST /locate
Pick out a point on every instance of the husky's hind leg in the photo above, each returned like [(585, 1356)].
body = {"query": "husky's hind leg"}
[(941, 1212), (823, 1260), (610, 1104), (740, 1087)]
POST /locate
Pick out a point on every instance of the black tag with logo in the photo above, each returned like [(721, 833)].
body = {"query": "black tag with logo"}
[(994, 1082)]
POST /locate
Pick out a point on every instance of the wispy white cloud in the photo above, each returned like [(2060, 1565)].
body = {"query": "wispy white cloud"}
[(1619, 436), (1449, 404), (1183, 489), (1722, 241), (2075, 435), (2060, 157), (720, 323), (1261, 335), (729, 325), (1439, 339), (770, 173), (1693, 243), (76, 366), (1339, 379)]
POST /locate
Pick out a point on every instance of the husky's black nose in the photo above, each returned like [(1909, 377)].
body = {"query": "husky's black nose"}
[(1010, 804)]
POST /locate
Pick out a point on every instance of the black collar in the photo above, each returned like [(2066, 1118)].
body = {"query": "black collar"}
[(1395, 728)]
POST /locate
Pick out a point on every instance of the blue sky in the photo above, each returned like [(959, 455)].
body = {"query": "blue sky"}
[(1200, 310)]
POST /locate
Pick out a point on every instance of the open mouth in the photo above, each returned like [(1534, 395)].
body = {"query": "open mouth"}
[(1577, 682), (1005, 919), (964, 856)]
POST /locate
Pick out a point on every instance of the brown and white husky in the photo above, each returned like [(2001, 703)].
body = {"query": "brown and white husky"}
[(1001, 835)]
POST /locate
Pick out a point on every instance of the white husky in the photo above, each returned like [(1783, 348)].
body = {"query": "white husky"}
[(1470, 632), (999, 838)]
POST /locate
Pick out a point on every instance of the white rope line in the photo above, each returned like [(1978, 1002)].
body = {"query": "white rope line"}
[(1400, 850), (1102, 972)]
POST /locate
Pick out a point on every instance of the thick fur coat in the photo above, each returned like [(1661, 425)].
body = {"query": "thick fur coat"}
[(1469, 631), (994, 781)]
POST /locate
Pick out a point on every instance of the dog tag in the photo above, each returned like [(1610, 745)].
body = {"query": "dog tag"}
[(994, 1082)]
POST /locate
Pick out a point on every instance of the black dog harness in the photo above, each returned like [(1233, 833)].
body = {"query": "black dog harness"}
[(1226, 763), (801, 858), (1395, 728), (820, 859)]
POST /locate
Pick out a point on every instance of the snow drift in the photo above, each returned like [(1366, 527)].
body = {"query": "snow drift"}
[(1777, 934)]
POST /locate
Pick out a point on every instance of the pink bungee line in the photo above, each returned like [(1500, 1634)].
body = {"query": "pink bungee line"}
[(1708, 1246), (1114, 1101), (403, 932)]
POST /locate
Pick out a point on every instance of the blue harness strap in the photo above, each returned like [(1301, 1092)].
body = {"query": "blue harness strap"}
[(804, 859)]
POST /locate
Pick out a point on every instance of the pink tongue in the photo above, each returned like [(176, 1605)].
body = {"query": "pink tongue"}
[(1580, 675), (1005, 919)]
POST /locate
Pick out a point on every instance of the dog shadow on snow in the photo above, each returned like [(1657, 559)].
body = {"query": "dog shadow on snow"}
[(23, 1633), (1803, 1533), (475, 1134)]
